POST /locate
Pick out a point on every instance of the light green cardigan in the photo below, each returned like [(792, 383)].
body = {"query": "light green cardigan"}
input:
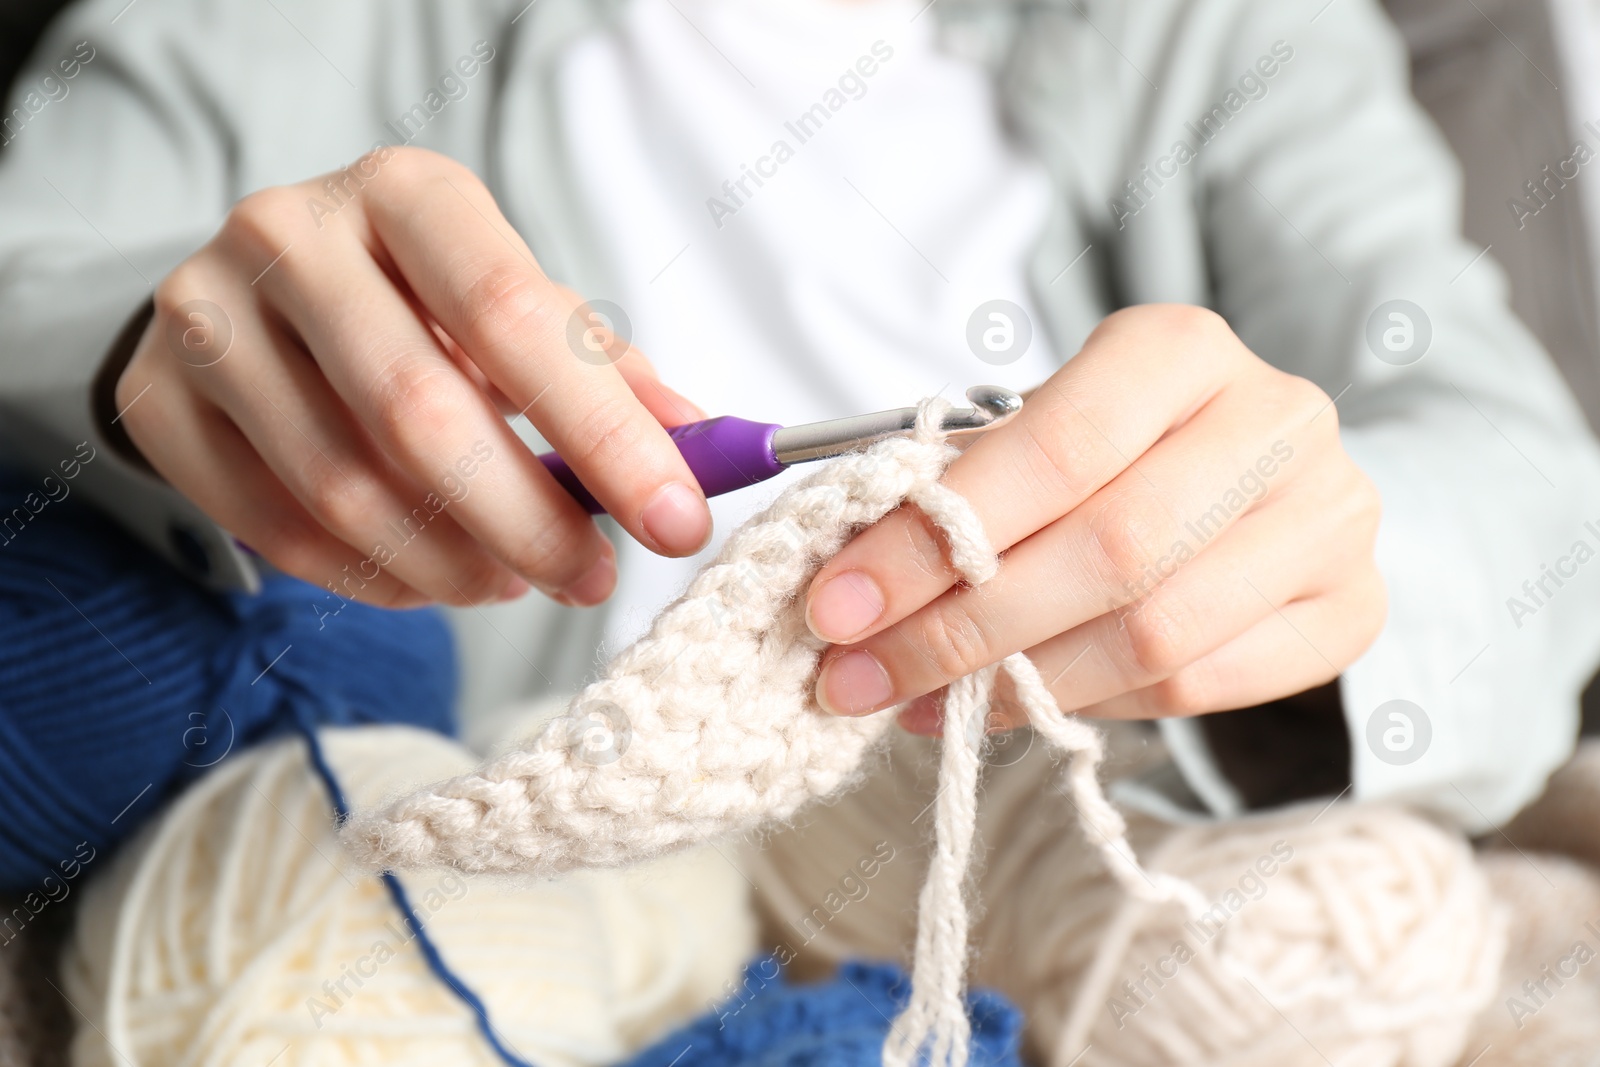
[(1260, 157)]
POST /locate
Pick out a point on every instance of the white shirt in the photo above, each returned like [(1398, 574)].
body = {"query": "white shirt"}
[(840, 283)]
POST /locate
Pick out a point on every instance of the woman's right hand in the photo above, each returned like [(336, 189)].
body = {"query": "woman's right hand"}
[(329, 377)]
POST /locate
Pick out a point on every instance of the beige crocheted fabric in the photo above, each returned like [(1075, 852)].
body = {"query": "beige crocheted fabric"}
[(708, 724)]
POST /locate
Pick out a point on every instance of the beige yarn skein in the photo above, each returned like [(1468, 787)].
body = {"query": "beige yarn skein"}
[(1369, 936)]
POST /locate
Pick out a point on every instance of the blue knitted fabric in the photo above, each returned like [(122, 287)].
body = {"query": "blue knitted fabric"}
[(120, 680), (771, 1022)]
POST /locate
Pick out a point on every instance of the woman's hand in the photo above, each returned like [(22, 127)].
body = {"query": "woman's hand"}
[(1182, 533), (329, 378)]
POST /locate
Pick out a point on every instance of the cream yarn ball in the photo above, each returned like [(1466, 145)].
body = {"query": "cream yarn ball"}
[(235, 925), (1547, 1009), (1363, 935)]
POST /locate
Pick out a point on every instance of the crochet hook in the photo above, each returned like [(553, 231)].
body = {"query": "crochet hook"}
[(728, 453)]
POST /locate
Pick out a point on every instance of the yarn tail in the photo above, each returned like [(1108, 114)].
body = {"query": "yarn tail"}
[(935, 1019), (1103, 825)]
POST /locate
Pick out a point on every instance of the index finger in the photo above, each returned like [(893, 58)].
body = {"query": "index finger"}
[(1142, 372), (484, 288)]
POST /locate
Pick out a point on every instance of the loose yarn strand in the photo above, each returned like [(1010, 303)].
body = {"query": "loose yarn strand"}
[(935, 1012), (1103, 824)]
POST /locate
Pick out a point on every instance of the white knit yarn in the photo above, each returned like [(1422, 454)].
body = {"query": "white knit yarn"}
[(709, 726)]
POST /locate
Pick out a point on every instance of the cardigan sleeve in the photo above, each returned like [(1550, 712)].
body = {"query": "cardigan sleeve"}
[(1332, 217)]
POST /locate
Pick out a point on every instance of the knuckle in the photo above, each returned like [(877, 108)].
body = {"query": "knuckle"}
[(1361, 507), (1192, 320), (134, 381), (560, 552), (1186, 333), (1296, 409), (409, 163), (393, 594), (1119, 321), (507, 303), (1303, 398), (419, 398), (292, 545), (414, 165), (1311, 396), (1128, 533), (296, 551), (1190, 691), (184, 283), (612, 433), (386, 593), (1352, 512), (144, 429), (1184, 322), (259, 220), (905, 534), (1368, 504), (1159, 636), (480, 581), (954, 643), (342, 505), (1062, 455)]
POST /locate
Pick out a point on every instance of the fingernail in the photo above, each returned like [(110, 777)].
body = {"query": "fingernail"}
[(594, 586), (853, 684), (515, 588), (844, 606), (677, 520)]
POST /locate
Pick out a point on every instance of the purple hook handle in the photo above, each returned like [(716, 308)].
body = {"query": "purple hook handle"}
[(725, 453)]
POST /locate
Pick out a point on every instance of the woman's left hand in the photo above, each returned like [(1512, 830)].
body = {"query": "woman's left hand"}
[(1181, 531)]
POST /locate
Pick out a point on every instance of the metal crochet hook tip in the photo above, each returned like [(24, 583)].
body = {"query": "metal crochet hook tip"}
[(992, 406)]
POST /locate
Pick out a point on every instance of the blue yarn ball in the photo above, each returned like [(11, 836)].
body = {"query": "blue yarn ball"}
[(121, 680), (771, 1022)]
